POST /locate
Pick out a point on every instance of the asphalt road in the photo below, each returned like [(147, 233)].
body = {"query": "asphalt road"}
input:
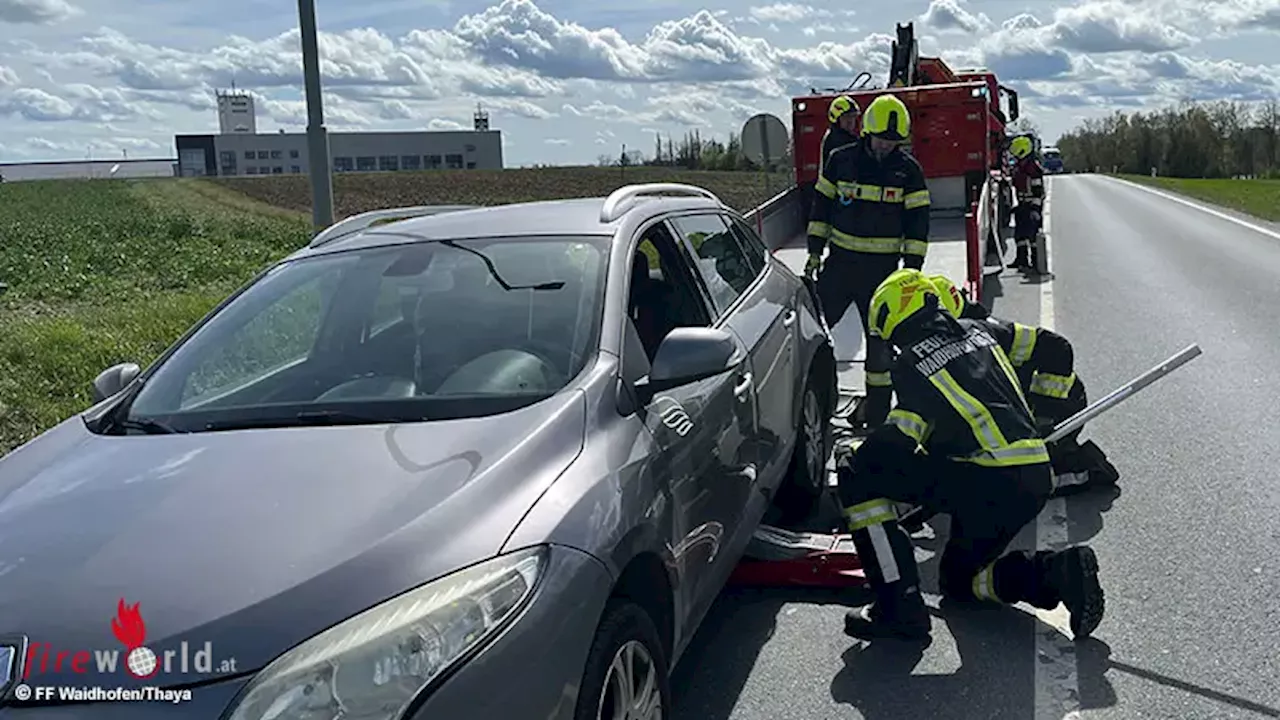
[(1190, 551)]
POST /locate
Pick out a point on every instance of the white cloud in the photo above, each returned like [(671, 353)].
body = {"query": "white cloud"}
[(607, 85), (36, 12)]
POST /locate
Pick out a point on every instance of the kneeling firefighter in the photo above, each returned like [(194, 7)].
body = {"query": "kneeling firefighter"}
[(1045, 364), (1028, 184), (872, 205), (982, 462)]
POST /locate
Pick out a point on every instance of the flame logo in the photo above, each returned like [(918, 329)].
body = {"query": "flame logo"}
[(129, 629), (128, 626)]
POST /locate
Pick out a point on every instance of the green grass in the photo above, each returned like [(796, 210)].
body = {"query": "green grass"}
[(107, 271), (1260, 198)]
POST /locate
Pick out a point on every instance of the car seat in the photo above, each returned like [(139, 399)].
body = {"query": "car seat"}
[(643, 302)]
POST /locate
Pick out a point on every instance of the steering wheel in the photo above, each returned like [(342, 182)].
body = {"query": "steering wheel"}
[(371, 387)]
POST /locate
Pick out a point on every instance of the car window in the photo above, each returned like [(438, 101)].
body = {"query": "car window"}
[(663, 294), (417, 331), (721, 261), (280, 335), (757, 253)]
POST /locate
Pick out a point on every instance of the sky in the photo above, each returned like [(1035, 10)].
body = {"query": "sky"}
[(567, 82)]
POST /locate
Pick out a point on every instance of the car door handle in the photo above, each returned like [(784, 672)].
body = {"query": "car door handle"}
[(743, 388), (789, 319)]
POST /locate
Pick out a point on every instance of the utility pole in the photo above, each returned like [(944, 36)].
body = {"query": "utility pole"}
[(317, 136)]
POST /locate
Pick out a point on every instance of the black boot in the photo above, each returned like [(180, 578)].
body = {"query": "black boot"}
[(1073, 574), (1021, 260), (893, 618)]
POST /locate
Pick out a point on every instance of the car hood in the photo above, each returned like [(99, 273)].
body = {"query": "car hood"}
[(254, 540)]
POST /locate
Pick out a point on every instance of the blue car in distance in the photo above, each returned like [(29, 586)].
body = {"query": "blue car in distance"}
[(1053, 161)]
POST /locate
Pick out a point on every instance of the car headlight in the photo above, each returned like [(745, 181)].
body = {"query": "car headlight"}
[(372, 666)]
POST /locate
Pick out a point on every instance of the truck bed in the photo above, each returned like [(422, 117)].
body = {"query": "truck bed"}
[(947, 255)]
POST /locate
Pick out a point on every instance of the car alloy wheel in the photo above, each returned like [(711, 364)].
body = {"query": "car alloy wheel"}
[(811, 425), (631, 689)]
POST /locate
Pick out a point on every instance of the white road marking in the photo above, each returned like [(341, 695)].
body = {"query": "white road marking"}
[(1057, 694), (1216, 213)]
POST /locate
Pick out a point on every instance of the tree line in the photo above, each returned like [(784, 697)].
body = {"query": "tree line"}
[(692, 152), (1225, 139)]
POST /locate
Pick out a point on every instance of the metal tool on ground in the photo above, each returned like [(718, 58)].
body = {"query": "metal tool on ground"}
[(778, 557)]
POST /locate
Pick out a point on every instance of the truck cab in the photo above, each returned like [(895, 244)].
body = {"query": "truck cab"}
[(1053, 161)]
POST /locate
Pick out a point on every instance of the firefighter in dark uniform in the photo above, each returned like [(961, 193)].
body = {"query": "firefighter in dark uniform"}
[(961, 440), (842, 114), (1045, 364), (872, 206), (1028, 185)]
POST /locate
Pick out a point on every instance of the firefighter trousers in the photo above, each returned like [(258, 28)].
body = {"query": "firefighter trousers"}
[(988, 508), (851, 278)]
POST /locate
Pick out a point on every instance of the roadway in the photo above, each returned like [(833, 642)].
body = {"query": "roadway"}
[(1188, 551)]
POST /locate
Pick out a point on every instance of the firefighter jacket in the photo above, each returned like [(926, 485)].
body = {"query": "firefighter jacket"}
[(866, 205), (1028, 181), (1044, 362), (835, 137), (958, 398)]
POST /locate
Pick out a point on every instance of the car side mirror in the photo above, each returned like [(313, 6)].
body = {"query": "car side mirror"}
[(114, 379), (689, 354)]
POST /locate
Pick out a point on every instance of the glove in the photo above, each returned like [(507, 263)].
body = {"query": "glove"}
[(913, 262), (812, 266)]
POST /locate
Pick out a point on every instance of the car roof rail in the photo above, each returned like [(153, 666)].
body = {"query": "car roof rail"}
[(356, 223), (625, 197)]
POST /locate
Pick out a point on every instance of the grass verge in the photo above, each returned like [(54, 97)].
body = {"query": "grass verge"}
[(108, 271), (1260, 198)]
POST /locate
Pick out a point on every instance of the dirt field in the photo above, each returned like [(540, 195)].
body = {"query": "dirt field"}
[(361, 192)]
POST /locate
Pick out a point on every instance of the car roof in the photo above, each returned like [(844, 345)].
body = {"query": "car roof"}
[(575, 217)]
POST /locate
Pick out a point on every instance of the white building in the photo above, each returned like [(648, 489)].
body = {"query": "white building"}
[(236, 114), (88, 169), (238, 153)]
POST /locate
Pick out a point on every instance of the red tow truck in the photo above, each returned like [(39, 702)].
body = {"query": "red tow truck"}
[(959, 121)]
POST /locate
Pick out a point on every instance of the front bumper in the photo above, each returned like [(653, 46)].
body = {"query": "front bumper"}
[(532, 668)]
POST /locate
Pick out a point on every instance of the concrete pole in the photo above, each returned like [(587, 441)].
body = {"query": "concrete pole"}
[(317, 136)]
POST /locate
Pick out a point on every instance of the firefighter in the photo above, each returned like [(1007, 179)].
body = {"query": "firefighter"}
[(842, 115), (961, 440), (872, 206), (1028, 184), (1044, 362)]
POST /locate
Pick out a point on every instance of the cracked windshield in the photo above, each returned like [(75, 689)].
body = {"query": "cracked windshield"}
[(749, 360)]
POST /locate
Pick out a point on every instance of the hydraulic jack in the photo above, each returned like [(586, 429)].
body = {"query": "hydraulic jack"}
[(777, 557)]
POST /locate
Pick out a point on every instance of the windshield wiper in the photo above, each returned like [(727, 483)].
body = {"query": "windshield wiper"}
[(556, 285), (146, 425), (310, 418)]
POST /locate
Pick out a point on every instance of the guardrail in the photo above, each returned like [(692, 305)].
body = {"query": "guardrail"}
[(781, 219)]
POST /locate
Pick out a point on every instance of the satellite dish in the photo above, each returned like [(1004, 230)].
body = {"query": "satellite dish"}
[(764, 139), (114, 169)]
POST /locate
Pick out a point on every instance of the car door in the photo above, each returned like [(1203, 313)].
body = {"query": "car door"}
[(695, 427), (745, 301)]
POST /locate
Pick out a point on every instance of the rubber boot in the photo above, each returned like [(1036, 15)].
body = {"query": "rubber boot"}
[(1073, 575), (901, 617)]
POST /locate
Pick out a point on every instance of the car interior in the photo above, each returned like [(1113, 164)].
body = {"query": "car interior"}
[(449, 330), (663, 295)]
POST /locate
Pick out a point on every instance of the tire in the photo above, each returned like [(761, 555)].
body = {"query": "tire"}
[(626, 629), (806, 480)]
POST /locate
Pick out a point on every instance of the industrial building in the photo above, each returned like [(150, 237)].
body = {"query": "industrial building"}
[(239, 150), (88, 169)]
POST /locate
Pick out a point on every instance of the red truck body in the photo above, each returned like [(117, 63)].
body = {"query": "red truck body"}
[(958, 134)]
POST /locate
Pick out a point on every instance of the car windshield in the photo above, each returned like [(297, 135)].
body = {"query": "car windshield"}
[(421, 331), (1052, 155)]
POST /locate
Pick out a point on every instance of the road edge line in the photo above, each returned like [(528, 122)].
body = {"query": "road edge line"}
[(1057, 685)]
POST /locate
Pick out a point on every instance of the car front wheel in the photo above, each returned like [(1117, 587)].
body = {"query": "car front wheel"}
[(626, 675)]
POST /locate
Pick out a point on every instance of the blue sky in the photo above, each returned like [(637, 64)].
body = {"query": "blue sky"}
[(569, 81)]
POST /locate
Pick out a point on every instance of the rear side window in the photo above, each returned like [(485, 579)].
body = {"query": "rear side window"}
[(757, 253), (721, 260)]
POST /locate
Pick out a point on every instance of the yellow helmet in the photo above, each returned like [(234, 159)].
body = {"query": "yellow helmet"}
[(840, 106), (887, 117), (1020, 147), (904, 293), (948, 294)]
